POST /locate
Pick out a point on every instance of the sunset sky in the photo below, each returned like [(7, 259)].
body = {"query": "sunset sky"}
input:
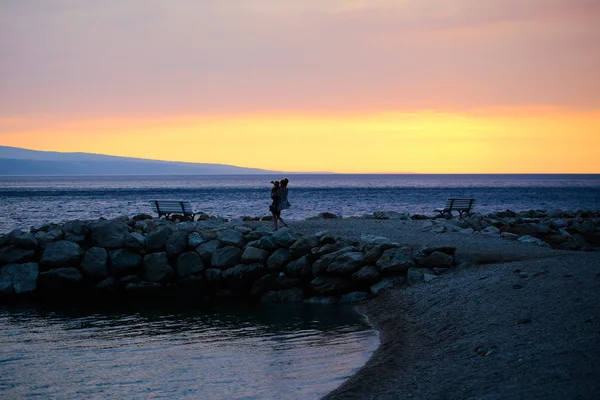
[(378, 86)]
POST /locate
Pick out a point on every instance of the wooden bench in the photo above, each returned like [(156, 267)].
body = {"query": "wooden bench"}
[(168, 207), (460, 205)]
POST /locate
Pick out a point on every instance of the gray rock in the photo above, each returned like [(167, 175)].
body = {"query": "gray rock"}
[(176, 244), (346, 263), (331, 248), (267, 243), (263, 285), (509, 236), (226, 257), (15, 255), (156, 268), (188, 263), (429, 277), (61, 254), (109, 234), (25, 241), (323, 285), (373, 240), (212, 276), (191, 285), (194, 240), (303, 246), (231, 237), (18, 278), (354, 297), (53, 235), (253, 255), (278, 259), (533, 240), (326, 300), (490, 230), (393, 215), (60, 279), (294, 295), (368, 274), (129, 279), (396, 261), (157, 240), (143, 287), (135, 241), (124, 262), (206, 250), (414, 275), (109, 284), (242, 276), (382, 285), (283, 238), (467, 231), (299, 268), (320, 266), (437, 259), (95, 263)]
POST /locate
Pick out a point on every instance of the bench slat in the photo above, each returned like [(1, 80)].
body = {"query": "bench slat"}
[(164, 207)]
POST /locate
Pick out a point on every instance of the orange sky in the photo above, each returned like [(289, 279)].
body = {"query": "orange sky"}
[(428, 86)]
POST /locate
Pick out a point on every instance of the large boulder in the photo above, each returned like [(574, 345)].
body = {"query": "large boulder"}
[(253, 255), (194, 240), (25, 241), (15, 255), (157, 240), (283, 238), (226, 257), (206, 250), (188, 263), (278, 259), (366, 275), (109, 234), (346, 263), (263, 285), (267, 243), (437, 259), (320, 266), (354, 297), (95, 263), (60, 279), (396, 261), (18, 278), (303, 246), (299, 268), (53, 235), (324, 285), (243, 276), (231, 237), (135, 241), (124, 262), (156, 268), (176, 244), (294, 295), (61, 254)]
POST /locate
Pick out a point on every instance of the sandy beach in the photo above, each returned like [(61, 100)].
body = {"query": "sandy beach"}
[(513, 320)]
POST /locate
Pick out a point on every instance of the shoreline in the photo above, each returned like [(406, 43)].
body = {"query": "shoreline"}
[(512, 321)]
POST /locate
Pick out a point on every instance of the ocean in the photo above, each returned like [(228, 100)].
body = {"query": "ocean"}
[(34, 200)]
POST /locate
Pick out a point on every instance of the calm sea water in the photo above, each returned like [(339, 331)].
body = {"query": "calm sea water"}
[(134, 352), (31, 201)]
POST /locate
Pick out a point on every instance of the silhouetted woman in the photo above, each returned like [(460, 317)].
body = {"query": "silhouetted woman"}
[(276, 204)]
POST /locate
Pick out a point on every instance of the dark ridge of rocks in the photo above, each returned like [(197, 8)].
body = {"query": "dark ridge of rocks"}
[(206, 259)]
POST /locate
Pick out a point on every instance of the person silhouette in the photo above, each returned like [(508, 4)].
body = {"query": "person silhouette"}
[(276, 203)]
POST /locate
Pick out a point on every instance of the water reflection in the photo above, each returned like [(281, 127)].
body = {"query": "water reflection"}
[(137, 351)]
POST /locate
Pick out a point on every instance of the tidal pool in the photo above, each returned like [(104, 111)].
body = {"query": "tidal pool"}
[(212, 352)]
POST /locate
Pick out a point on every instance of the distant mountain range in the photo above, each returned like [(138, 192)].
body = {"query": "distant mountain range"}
[(17, 161)]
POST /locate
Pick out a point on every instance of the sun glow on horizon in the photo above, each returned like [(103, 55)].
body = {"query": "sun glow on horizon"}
[(488, 141)]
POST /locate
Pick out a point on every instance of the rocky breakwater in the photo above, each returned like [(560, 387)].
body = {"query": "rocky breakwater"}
[(206, 259), (565, 230)]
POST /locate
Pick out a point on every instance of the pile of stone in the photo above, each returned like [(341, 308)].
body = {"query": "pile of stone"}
[(578, 230), (210, 258)]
